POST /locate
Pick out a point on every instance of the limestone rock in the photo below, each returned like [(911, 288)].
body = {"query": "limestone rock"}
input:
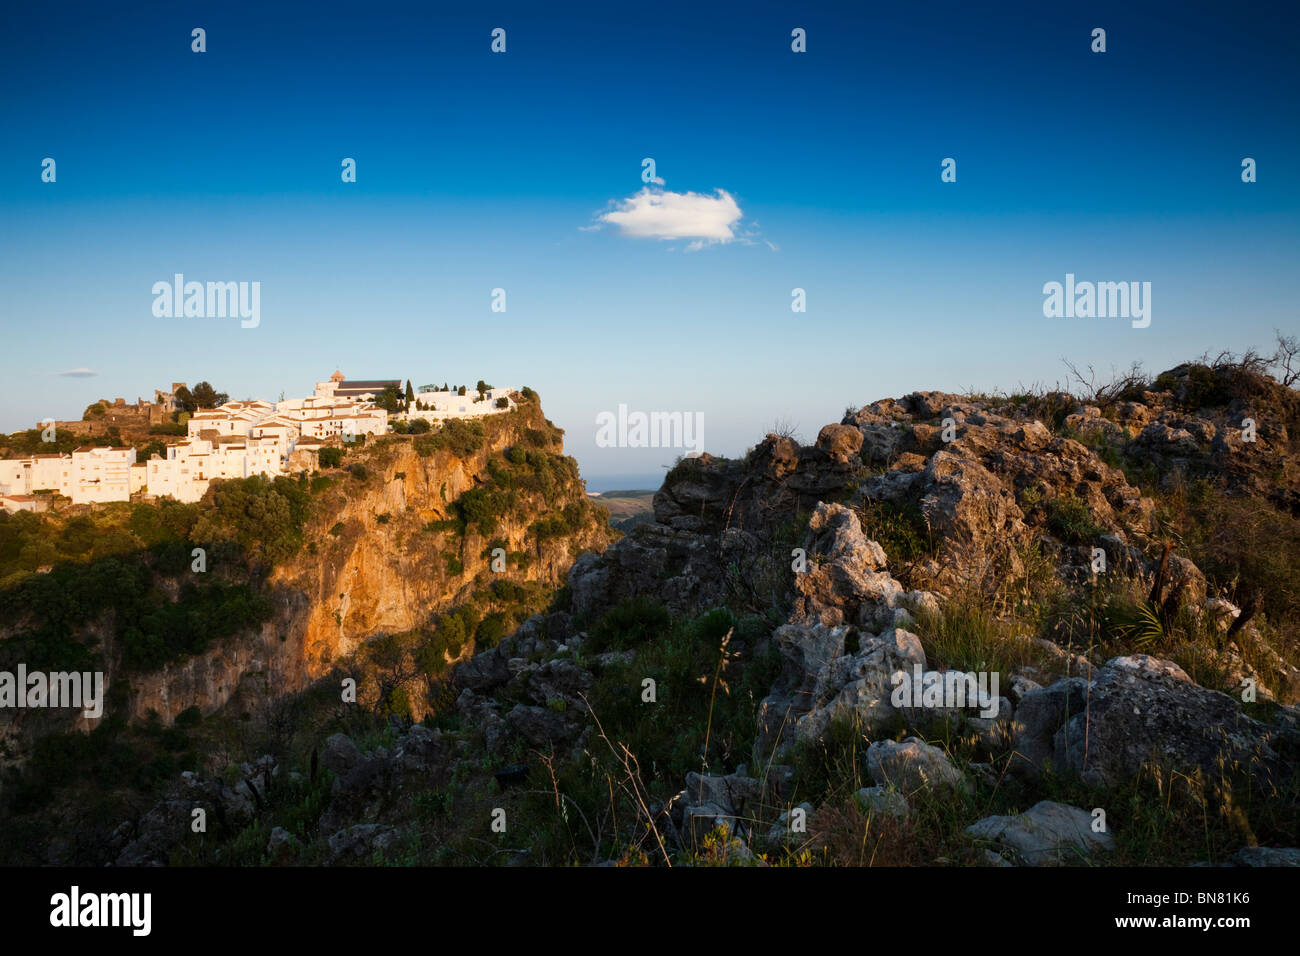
[(1047, 834)]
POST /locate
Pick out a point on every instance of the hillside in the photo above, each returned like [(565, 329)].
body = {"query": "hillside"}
[(720, 686), (392, 548)]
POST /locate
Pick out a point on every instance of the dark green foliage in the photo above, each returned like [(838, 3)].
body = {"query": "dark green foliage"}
[(573, 516), (1069, 518), (460, 437), (704, 693), (901, 530), (1201, 387), (629, 624), (482, 507), (262, 517), (330, 457), (490, 631), (30, 442)]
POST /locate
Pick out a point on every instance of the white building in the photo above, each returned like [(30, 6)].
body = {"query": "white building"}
[(90, 474), (191, 465), (101, 474), (436, 405), (235, 440)]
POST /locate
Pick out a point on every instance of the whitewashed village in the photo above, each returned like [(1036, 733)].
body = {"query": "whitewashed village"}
[(236, 439)]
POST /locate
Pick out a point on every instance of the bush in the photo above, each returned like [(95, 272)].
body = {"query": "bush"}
[(1069, 518), (489, 633), (330, 457), (629, 624), (262, 517)]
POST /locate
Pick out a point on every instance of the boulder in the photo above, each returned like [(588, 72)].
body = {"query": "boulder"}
[(912, 765), (1142, 708), (1047, 834), (840, 443)]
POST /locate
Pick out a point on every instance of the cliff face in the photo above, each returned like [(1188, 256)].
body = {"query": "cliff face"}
[(372, 565)]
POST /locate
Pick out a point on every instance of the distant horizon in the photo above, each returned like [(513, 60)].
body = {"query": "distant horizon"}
[(649, 480), (722, 226)]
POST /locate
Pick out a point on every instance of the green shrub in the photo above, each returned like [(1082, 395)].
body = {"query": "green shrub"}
[(1070, 519), (490, 631), (628, 624)]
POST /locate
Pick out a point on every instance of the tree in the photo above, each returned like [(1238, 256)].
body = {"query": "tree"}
[(410, 393), (205, 396), (1287, 359), (185, 400), (391, 400), (461, 390)]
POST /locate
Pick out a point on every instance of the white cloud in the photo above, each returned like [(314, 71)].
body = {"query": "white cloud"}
[(78, 373), (661, 214)]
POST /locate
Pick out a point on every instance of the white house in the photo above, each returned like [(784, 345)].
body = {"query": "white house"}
[(101, 474), (437, 405), (90, 474)]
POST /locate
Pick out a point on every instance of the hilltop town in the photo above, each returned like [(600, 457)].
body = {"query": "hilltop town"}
[(232, 439)]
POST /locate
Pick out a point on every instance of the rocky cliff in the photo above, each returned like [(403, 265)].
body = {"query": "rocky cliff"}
[(385, 553)]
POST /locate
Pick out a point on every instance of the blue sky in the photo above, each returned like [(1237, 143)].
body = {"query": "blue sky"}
[(479, 171)]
